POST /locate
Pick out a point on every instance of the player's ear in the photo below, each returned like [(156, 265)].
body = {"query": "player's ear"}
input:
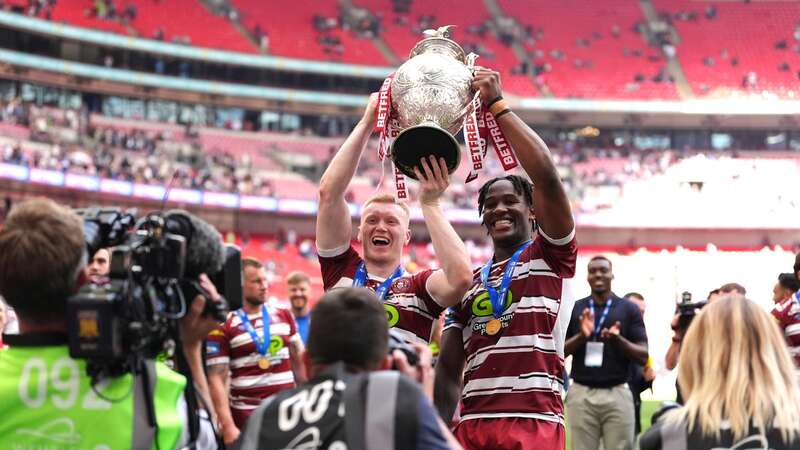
[(408, 237)]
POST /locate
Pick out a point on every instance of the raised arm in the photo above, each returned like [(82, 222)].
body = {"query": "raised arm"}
[(550, 203), (449, 374), (449, 284), (334, 225)]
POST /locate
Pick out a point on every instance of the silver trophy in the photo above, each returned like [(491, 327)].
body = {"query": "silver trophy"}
[(431, 96)]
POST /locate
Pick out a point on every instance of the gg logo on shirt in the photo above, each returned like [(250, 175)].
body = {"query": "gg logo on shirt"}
[(392, 315), (275, 345), (482, 305)]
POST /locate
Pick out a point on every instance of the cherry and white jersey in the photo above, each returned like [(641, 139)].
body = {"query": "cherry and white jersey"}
[(409, 306), (788, 314), (519, 371), (231, 344)]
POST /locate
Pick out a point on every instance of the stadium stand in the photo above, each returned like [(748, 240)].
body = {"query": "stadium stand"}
[(592, 49), (310, 30), (403, 29), (727, 47)]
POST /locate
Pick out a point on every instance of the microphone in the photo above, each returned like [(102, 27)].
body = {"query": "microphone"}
[(205, 253)]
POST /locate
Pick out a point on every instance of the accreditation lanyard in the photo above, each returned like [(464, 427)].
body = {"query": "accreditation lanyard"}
[(360, 280), (498, 297), (603, 316), (262, 345)]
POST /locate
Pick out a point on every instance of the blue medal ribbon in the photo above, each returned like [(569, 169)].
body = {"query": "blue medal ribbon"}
[(603, 316), (360, 280), (498, 297), (262, 345)]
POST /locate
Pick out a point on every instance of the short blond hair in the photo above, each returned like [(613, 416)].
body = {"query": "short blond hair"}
[(297, 277), (251, 262), (386, 198)]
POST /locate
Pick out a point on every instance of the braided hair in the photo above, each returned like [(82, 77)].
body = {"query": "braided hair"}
[(522, 186)]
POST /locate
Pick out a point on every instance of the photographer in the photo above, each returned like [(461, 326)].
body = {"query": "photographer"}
[(347, 364), (740, 385), (46, 397), (685, 312)]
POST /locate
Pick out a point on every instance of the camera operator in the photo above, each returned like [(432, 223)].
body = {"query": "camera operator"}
[(347, 358), (740, 385), (685, 312), (46, 397), (99, 266)]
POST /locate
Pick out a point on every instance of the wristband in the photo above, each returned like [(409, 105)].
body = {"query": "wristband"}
[(498, 106), (496, 99), (505, 111)]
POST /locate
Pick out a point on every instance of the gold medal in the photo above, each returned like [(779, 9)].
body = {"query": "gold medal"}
[(493, 327), (263, 363)]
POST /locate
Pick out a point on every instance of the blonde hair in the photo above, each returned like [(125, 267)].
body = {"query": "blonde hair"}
[(297, 277), (735, 366), (386, 198)]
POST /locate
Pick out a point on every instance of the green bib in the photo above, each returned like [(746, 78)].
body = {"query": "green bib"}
[(47, 402)]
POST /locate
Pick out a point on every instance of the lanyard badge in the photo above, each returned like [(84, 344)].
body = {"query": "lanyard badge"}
[(498, 297), (599, 324), (262, 344), (360, 280)]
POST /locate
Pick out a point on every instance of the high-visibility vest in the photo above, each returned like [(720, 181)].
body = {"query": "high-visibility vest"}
[(47, 401)]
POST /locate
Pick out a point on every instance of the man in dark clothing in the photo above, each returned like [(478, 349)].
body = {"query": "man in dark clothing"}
[(641, 376), (606, 335), (347, 357)]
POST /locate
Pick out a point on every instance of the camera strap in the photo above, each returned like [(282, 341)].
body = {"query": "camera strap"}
[(599, 324), (498, 297), (360, 280)]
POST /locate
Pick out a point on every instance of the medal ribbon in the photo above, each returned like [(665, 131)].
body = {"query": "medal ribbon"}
[(262, 345), (498, 298), (599, 324), (360, 280)]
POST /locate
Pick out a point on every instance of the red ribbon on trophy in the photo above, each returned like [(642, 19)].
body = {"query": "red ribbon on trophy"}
[(386, 125), (501, 145), (475, 136)]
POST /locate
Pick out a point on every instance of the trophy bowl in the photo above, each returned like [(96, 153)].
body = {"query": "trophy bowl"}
[(431, 96)]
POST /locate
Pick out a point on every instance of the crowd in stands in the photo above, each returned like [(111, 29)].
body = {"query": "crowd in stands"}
[(599, 51), (600, 181)]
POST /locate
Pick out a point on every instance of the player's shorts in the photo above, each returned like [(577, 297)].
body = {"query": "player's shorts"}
[(511, 433)]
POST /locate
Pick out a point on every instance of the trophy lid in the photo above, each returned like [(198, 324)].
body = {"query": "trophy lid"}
[(439, 41)]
